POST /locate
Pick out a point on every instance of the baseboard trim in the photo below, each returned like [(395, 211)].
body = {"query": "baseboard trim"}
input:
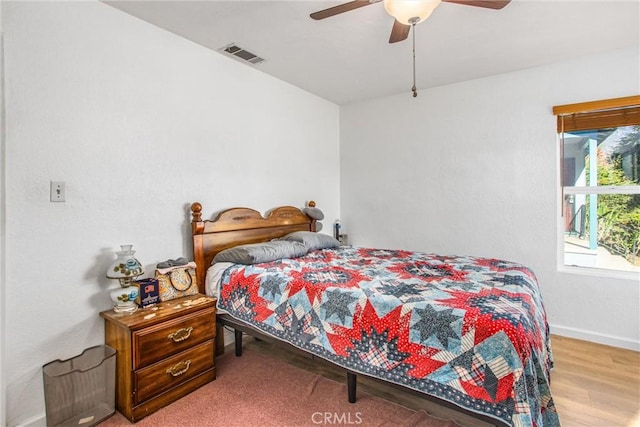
[(595, 337)]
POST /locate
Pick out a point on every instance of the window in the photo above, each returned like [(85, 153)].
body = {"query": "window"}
[(600, 172)]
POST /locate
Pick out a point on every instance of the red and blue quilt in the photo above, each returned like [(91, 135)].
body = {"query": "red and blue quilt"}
[(471, 331)]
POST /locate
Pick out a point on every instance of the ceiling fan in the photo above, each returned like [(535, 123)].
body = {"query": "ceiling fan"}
[(405, 12)]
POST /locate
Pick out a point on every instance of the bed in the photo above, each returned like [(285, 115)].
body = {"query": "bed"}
[(467, 332)]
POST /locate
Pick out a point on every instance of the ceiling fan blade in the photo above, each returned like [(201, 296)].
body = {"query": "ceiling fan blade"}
[(341, 8), (399, 32), (489, 4)]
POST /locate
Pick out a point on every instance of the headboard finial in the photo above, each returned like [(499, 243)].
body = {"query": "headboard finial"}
[(196, 212), (311, 204)]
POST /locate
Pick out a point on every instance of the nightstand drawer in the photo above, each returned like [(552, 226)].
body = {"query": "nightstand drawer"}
[(153, 344), (153, 380)]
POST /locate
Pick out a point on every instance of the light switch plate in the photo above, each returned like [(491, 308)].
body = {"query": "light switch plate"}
[(57, 191)]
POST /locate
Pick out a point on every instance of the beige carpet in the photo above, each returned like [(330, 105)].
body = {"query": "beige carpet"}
[(257, 390)]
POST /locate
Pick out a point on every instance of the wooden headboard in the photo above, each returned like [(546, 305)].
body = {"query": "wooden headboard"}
[(238, 226)]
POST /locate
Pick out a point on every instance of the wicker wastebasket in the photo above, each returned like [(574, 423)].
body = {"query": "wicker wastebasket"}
[(81, 391)]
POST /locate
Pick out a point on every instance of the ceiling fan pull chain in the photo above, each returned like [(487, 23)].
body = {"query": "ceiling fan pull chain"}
[(413, 32)]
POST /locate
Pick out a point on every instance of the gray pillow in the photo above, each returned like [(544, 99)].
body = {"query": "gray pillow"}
[(312, 240), (256, 253), (314, 213)]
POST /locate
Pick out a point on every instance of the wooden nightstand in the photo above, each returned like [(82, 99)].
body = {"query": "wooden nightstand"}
[(163, 352)]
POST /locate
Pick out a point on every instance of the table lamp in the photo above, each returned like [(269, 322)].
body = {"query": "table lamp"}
[(125, 269)]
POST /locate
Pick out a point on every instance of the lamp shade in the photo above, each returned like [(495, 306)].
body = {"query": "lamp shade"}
[(125, 266), (406, 11)]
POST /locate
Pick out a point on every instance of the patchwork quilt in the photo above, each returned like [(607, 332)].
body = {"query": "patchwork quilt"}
[(471, 331)]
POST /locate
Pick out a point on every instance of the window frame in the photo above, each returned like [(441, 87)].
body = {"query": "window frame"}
[(584, 115)]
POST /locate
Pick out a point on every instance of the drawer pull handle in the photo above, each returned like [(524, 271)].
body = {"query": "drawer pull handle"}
[(179, 368), (181, 334)]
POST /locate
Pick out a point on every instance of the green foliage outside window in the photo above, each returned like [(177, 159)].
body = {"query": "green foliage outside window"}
[(619, 214)]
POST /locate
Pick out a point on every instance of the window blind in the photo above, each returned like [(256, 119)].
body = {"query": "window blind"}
[(598, 114)]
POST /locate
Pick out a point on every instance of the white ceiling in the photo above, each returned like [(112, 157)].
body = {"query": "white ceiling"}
[(347, 58)]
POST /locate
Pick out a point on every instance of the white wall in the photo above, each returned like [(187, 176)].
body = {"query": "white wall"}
[(2, 226), (139, 123), (471, 168)]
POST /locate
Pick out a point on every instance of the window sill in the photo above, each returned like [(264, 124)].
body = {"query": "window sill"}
[(600, 272)]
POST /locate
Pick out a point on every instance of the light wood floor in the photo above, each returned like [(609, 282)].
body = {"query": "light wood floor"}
[(592, 384)]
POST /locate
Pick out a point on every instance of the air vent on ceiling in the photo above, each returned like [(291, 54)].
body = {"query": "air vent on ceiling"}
[(240, 53)]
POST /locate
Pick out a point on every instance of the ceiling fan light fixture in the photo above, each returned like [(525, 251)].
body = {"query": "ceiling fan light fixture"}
[(410, 12)]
